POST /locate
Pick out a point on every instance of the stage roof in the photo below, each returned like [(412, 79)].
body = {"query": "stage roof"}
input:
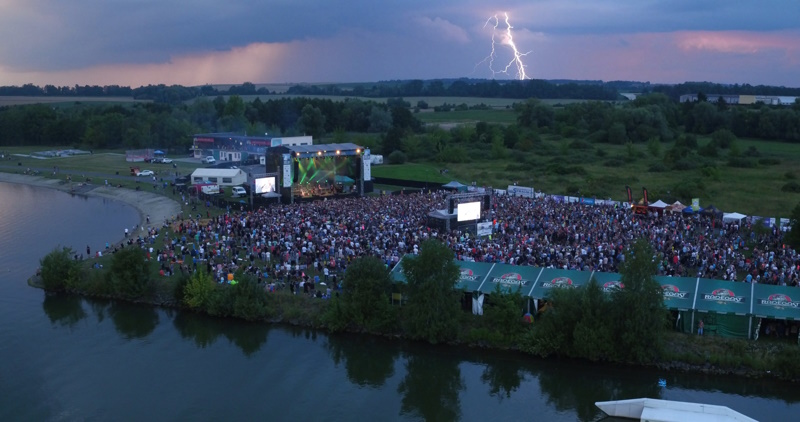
[(326, 149)]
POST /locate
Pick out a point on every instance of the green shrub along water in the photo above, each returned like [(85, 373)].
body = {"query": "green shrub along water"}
[(627, 325)]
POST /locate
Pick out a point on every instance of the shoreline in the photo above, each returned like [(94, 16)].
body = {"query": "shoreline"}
[(158, 207)]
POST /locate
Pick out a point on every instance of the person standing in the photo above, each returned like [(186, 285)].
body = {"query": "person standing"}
[(700, 326)]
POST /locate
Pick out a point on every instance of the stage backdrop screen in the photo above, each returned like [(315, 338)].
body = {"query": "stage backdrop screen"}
[(469, 211), (264, 185)]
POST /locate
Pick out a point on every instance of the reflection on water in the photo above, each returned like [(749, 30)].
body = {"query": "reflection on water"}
[(431, 388), (63, 310), (368, 361), (503, 379), (204, 331), (428, 383)]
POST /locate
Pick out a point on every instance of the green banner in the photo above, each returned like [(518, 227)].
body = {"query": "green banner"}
[(609, 282), (724, 297), (779, 302), (511, 278), (552, 278), (679, 292), (472, 275)]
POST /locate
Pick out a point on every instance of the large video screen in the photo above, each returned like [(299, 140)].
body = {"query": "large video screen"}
[(265, 184), (469, 211)]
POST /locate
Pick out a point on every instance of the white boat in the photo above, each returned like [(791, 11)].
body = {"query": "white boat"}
[(655, 410)]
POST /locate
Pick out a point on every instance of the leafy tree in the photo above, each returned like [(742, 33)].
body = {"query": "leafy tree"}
[(380, 120), (533, 114), (311, 121), (234, 107), (638, 308), (397, 157), (432, 312), (249, 301), (504, 312), (130, 273), (792, 238), (59, 271), (198, 291), (723, 138), (366, 294), (498, 151), (654, 147), (617, 134)]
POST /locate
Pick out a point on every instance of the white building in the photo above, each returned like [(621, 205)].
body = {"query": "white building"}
[(222, 177)]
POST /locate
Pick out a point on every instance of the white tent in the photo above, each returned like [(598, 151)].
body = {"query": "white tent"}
[(730, 217), (658, 204)]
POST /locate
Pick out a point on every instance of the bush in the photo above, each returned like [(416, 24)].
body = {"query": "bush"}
[(397, 157), (723, 138), (685, 163), (600, 152), (130, 273), (767, 161), (711, 172), (657, 168), (59, 271), (752, 151), (615, 162), (517, 167), (789, 175), (709, 150), (792, 187), (580, 144), (742, 162)]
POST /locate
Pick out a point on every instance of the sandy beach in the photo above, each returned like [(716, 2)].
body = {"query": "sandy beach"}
[(158, 207)]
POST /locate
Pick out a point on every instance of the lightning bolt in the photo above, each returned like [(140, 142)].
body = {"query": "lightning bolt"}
[(508, 39)]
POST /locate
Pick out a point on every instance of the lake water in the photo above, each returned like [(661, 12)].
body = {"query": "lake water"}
[(67, 358)]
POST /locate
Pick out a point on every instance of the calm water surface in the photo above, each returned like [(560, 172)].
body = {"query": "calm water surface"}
[(67, 358)]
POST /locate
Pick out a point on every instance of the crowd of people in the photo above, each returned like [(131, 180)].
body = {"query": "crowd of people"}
[(281, 241)]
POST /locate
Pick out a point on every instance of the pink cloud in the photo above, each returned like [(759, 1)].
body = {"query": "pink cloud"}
[(671, 57), (735, 41), (253, 62)]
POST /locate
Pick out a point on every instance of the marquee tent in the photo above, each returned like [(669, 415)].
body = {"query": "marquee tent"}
[(659, 204), (711, 211), (776, 302), (511, 278), (726, 307), (726, 304), (553, 278), (676, 207), (679, 292), (732, 216), (608, 281), (454, 185)]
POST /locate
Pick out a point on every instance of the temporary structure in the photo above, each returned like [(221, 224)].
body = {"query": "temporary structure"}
[(730, 217), (659, 204), (676, 207)]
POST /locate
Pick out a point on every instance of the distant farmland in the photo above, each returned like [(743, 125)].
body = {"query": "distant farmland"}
[(20, 100)]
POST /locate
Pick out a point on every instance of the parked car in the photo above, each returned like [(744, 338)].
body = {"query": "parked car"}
[(166, 160), (209, 160), (238, 191), (146, 173)]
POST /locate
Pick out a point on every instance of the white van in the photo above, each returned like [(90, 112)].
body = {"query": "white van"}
[(238, 191), (209, 160)]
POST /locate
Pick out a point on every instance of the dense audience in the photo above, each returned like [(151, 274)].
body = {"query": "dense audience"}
[(328, 234)]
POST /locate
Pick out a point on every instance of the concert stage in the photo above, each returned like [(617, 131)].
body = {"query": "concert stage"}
[(309, 172)]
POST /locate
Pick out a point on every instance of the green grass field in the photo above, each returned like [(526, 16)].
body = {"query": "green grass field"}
[(555, 167)]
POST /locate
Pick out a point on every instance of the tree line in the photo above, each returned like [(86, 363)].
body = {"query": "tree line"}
[(392, 127)]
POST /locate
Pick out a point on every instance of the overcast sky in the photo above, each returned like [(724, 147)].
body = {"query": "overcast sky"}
[(195, 42)]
